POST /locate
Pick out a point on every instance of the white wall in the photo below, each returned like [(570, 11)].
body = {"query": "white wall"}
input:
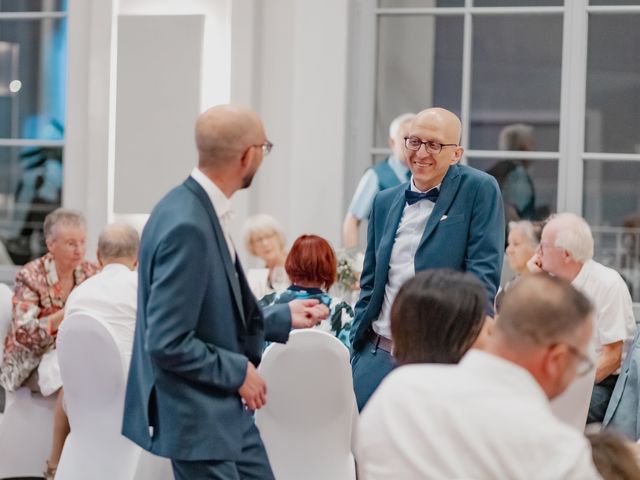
[(285, 58)]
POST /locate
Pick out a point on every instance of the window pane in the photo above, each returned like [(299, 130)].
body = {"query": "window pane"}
[(30, 187), (611, 205), (32, 78), (516, 78), (517, 3), (614, 2), (613, 84), (529, 187), (419, 3), (419, 65), (33, 5)]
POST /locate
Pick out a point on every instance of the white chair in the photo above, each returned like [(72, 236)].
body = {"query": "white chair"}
[(152, 467), (94, 386), (26, 426), (308, 421), (572, 406)]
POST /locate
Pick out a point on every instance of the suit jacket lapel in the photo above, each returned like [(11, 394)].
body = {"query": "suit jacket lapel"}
[(389, 235), (448, 191), (229, 268)]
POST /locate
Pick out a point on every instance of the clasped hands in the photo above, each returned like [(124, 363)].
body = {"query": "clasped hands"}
[(304, 314)]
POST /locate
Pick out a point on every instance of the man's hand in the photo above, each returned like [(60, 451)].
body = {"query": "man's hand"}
[(307, 313), (253, 390), (535, 264)]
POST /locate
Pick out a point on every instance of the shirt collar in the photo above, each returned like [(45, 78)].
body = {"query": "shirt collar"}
[(415, 189), (507, 372), (221, 204), (115, 266), (583, 274)]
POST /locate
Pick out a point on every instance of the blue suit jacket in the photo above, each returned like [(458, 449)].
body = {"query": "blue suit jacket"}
[(197, 324), (623, 412), (470, 239)]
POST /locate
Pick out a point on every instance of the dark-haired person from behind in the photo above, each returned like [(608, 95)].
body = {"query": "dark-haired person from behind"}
[(437, 316)]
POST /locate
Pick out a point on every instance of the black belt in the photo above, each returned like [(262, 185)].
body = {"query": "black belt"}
[(383, 343)]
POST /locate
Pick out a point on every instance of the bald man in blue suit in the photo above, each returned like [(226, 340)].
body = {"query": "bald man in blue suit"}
[(199, 332), (447, 216)]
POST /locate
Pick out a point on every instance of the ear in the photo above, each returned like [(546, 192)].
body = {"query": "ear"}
[(391, 142), (247, 158), (99, 257), (457, 154), (555, 361)]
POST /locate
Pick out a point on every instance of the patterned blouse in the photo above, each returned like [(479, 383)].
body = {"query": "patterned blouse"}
[(37, 295)]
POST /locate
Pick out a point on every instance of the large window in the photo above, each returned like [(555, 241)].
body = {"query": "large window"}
[(33, 45), (548, 92)]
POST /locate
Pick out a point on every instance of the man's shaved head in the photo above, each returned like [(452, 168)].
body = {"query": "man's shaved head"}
[(225, 131)]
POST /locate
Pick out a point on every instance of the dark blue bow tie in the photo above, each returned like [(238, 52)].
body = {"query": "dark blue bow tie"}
[(412, 197)]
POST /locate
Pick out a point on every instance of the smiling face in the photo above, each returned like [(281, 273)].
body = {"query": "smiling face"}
[(440, 126)]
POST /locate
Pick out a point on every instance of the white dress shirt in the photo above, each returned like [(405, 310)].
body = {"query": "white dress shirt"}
[(221, 205), (111, 296), (402, 261), (613, 320), (484, 419)]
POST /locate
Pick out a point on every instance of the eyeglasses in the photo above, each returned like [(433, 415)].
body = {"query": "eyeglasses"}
[(266, 147), (414, 143), (585, 365)]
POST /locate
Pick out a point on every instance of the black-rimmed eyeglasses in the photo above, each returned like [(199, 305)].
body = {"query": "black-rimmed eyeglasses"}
[(414, 143)]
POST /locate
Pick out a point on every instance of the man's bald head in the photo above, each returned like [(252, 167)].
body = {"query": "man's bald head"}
[(118, 243), (447, 122), (225, 131)]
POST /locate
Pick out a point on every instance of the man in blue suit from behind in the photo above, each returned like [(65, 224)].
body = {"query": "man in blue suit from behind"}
[(199, 332), (447, 216)]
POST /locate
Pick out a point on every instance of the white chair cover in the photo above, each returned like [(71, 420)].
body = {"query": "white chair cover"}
[(26, 429), (572, 406), (94, 386), (308, 421), (6, 294), (152, 467), (26, 425)]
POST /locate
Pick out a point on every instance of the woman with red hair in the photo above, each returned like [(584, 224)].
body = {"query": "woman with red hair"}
[(312, 267)]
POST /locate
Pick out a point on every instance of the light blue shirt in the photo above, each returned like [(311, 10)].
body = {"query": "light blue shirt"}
[(369, 187)]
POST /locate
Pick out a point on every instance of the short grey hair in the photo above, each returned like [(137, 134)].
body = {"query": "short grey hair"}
[(541, 309), (574, 236), (516, 137), (261, 224), (118, 240), (62, 217), (531, 230), (397, 122)]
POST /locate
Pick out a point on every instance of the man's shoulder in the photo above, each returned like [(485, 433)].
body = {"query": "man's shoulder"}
[(386, 196), (471, 174), (605, 276)]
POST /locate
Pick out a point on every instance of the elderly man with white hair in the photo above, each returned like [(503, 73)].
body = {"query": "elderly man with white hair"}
[(389, 173), (566, 250)]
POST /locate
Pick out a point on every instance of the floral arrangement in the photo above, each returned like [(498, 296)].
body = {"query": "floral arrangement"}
[(348, 275)]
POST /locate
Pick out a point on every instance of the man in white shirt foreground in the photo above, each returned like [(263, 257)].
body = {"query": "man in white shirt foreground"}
[(566, 251), (111, 294), (489, 416)]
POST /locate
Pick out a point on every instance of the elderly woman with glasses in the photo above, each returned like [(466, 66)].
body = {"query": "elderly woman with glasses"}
[(264, 238), (41, 290)]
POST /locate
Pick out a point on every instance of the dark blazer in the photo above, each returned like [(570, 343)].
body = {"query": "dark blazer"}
[(197, 324), (469, 239)]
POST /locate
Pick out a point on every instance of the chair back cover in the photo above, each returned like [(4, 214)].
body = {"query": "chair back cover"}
[(6, 294), (94, 385), (309, 418), (572, 406)]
